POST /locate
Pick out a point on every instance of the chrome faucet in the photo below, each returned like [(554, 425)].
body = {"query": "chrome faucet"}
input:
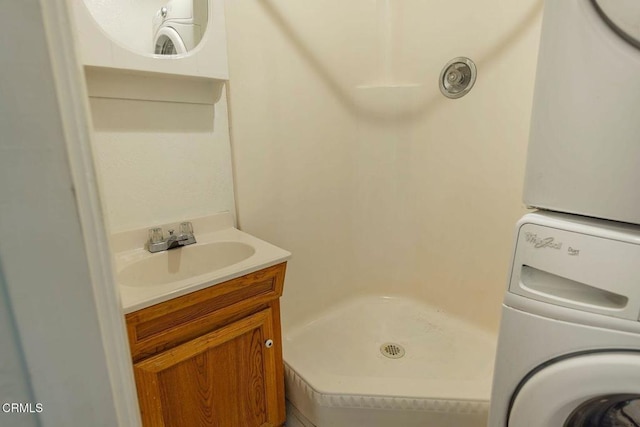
[(157, 242)]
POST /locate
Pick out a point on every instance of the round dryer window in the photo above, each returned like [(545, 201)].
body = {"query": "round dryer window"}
[(617, 410), (169, 42), (623, 16), (593, 390)]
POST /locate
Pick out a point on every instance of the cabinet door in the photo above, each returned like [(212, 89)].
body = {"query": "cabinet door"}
[(225, 378)]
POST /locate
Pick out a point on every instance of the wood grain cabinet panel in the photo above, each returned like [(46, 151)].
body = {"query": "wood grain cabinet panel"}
[(225, 377), (181, 319)]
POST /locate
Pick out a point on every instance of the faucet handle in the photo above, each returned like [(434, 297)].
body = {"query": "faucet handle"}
[(186, 228), (155, 235)]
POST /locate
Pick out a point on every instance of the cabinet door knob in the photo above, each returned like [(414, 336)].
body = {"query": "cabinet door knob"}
[(268, 343)]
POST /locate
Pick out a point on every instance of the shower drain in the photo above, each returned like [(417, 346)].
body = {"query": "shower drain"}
[(392, 350)]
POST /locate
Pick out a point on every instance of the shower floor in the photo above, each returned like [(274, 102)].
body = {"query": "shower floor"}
[(337, 375)]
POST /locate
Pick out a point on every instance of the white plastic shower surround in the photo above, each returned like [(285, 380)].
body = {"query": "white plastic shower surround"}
[(336, 375)]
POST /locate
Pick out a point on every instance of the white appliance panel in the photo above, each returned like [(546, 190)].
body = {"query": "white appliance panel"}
[(569, 345), (577, 270), (584, 148)]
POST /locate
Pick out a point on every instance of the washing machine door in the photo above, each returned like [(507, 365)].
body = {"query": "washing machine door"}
[(623, 16), (595, 390), (169, 42)]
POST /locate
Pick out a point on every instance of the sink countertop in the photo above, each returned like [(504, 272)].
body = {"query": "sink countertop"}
[(129, 249)]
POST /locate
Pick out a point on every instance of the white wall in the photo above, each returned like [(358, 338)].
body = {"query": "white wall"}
[(43, 255), (14, 377), (161, 146), (347, 155)]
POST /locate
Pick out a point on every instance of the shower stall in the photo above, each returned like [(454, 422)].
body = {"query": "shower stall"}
[(397, 202)]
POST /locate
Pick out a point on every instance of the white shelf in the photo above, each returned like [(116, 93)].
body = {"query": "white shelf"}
[(208, 59)]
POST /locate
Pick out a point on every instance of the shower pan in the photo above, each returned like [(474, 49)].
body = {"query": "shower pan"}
[(342, 370)]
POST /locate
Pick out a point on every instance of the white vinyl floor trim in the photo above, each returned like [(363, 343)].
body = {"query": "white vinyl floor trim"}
[(335, 361)]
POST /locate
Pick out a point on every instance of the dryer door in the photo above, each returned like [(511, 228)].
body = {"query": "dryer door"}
[(595, 390), (623, 16), (169, 42)]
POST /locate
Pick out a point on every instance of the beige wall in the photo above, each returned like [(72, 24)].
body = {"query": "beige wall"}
[(161, 147), (346, 154)]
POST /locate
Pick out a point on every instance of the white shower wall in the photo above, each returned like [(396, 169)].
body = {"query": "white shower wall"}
[(346, 153)]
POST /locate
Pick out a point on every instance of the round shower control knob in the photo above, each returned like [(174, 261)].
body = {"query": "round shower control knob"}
[(268, 343), (457, 77)]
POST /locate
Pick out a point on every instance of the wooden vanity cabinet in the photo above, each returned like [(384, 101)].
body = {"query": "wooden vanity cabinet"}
[(212, 357)]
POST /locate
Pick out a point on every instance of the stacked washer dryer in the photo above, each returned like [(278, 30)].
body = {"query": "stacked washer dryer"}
[(569, 344), (178, 26)]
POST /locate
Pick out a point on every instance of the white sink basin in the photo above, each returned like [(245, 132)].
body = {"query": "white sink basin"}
[(222, 253), (184, 263)]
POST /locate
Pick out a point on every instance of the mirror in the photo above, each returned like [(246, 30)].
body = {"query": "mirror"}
[(152, 27)]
